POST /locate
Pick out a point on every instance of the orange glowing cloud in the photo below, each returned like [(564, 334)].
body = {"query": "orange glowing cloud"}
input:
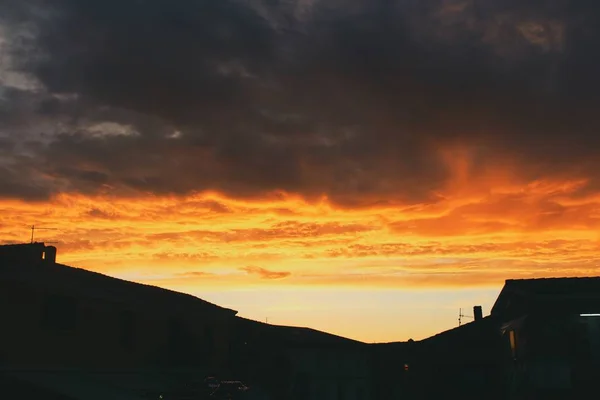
[(482, 226), (464, 152), (479, 233)]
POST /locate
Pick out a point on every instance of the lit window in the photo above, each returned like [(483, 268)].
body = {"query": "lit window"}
[(513, 343)]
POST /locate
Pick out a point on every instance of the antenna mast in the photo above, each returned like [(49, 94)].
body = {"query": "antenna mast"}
[(461, 316), (33, 228)]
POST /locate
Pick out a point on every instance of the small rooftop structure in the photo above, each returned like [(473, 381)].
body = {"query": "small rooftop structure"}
[(27, 253)]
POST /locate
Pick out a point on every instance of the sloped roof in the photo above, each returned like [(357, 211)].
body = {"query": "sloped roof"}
[(58, 278), (11, 246), (476, 343), (547, 288), (465, 332), (309, 335), (294, 335), (552, 286)]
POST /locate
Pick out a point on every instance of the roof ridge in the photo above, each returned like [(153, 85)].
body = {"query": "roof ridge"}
[(139, 284), (109, 287), (555, 278)]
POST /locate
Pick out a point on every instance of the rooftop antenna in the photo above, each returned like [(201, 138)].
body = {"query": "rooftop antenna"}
[(461, 316), (33, 228)]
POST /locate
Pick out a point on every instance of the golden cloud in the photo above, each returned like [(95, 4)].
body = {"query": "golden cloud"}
[(474, 235)]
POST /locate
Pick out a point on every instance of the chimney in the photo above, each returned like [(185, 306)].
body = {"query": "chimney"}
[(50, 254), (477, 313)]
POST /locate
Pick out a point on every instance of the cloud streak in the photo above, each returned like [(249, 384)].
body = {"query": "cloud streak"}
[(495, 238), (265, 273)]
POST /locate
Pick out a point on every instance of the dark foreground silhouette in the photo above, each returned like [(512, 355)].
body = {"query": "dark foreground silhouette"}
[(72, 334)]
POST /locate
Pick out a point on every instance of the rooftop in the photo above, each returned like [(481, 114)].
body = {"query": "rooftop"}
[(21, 245), (294, 335), (545, 288), (473, 328), (555, 285), (59, 278)]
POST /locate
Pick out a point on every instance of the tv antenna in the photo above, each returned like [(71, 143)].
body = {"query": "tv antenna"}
[(461, 316), (33, 228)]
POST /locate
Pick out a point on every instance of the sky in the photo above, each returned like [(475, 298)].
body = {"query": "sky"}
[(363, 167)]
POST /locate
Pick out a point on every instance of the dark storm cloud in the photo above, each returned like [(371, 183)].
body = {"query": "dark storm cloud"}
[(348, 98)]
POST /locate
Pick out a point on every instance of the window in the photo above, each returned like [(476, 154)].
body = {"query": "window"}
[(127, 322), (59, 313), (513, 343)]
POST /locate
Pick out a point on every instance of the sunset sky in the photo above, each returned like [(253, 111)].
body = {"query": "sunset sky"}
[(363, 167)]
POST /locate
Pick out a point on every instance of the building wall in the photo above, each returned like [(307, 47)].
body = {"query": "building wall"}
[(465, 362), (392, 365), (23, 253), (287, 366), (554, 353), (593, 332), (42, 329), (342, 373)]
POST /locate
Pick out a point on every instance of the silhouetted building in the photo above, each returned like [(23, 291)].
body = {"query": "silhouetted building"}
[(392, 373), (551, 329), (81, 332), (464, 362), (300, 363), (542, 340), (27, 254)]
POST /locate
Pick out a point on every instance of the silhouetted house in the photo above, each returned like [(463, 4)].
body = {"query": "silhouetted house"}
[(463, 362), (69, 327), (551, 329), (541, 340), (392, 363), (29, 254), (300, 363)]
